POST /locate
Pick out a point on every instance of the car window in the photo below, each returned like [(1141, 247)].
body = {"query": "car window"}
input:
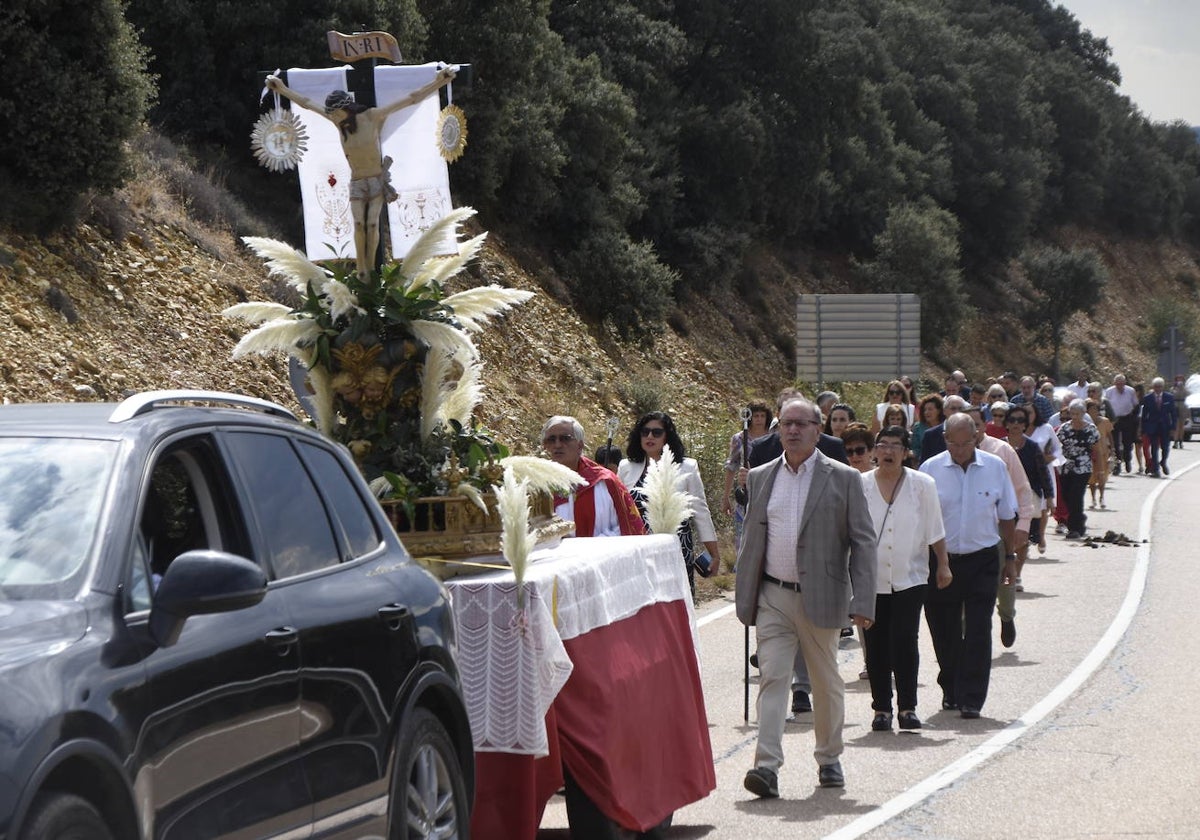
[(185, 506), (286, 505), (51, 493), (343, 495)]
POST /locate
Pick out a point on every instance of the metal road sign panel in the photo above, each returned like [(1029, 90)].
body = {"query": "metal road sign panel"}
[(870, 338)]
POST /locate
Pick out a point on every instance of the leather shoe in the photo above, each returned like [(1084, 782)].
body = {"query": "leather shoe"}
[(1008, 632), (800, 702), (969, 713), (830, 775), (948, 704), (908, 720), (882, 722), (762, 782), (1165, 470)]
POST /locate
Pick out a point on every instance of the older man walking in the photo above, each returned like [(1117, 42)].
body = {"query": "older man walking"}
[(979, 509), (806, 565)]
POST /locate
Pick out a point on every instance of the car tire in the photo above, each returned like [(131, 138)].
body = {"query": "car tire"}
[(429, 797), (64, 816)]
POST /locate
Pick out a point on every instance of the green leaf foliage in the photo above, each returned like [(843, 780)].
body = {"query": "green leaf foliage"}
[(1064, 284), (654, 146), (75, 90)]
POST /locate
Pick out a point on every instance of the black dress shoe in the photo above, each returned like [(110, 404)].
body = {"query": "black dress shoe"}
[(882, 722), (1008, 632), (762, 782), (908, 720), (969, 713), (830, 775), (1165, 470), (800, 702), (948, 704)]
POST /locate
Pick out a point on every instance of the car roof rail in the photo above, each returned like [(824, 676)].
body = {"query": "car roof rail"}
[(147, 401)]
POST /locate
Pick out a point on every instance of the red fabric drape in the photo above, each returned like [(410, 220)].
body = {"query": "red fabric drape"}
[(631, 721), (630, 725)]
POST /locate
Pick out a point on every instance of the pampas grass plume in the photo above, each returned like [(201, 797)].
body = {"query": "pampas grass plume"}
[(512, 502), (667, 505)]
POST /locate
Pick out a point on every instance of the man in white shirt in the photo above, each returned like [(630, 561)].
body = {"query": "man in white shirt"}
[(979, 509), (1124, 404), (806, 566), (1079, 387)]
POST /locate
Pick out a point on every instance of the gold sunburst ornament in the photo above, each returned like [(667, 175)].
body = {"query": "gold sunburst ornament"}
[(452, 133), (279, 139)]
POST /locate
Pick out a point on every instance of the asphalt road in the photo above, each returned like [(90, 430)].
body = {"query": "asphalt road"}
[(1087, 731)]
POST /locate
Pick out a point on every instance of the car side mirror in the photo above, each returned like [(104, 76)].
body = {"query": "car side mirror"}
[(200, 583)]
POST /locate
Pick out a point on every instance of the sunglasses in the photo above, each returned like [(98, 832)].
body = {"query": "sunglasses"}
[(856, 450), (1015, 420), (895, 393), (654, 433), (550, 440)]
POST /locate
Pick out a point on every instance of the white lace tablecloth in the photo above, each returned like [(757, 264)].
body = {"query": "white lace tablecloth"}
[(513, 663)]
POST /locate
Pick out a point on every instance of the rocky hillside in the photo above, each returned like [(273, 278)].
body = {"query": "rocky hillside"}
[(85, 317), (90, 315)]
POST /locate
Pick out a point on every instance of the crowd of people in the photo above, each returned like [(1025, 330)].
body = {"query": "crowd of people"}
[(928, 507), (957, 486)]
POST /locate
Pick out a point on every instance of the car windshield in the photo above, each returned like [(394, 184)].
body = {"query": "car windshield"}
[(51, 492)]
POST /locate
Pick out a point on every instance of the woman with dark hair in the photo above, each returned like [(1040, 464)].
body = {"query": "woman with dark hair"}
[(758, 425), (929, 414), (894, 394), (859, 442), (908, 526), (647, 439), (1041, 479), (608, 456), (840, 416)]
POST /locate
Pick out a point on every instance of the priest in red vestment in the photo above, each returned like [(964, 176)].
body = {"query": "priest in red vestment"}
[(602, 507)]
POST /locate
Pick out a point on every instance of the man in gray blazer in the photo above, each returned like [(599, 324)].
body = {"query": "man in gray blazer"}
[(806, 564)]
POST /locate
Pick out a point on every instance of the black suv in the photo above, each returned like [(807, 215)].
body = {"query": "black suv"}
[(208, 629)]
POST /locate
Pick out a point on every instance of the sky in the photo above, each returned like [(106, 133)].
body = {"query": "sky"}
[(1156, 43)]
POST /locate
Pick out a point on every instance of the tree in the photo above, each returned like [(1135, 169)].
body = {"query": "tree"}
[(75, 90), (1064, 283), (917, 253)]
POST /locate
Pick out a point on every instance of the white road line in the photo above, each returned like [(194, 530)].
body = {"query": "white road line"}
[(715, 614), (956, 770)]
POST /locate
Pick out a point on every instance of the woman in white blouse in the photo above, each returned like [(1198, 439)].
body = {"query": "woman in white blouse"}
[(646, 442), (908, 524)]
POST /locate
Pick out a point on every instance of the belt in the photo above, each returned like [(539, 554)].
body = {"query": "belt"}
[(980, 553), (786, 584)]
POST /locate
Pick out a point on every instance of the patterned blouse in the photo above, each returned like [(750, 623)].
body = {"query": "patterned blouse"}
[(1077, 448)]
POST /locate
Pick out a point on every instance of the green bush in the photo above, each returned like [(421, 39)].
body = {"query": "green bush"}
[(75, 90), (620, 281)]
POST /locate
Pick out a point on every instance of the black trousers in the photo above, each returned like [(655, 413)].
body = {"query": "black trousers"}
[(960, 622), (1125, 437), (1160, 447), (891, 648), (1074, 489)]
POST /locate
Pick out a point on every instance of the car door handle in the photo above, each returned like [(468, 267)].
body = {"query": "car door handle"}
[(283, 638), (395, 615)]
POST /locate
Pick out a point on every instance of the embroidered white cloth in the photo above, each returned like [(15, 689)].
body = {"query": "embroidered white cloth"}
[(513, 666), (419, 172), (324, 173)]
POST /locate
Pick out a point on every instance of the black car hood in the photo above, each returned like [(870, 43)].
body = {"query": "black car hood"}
[(29, 629)]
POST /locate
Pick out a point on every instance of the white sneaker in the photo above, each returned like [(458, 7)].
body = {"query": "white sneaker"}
[(1060, 529)]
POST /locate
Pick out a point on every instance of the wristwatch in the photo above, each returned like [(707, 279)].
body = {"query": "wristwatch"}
[(1011, 554)]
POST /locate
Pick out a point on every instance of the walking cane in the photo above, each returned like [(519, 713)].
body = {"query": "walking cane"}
[(746, 675), (743, 499)]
